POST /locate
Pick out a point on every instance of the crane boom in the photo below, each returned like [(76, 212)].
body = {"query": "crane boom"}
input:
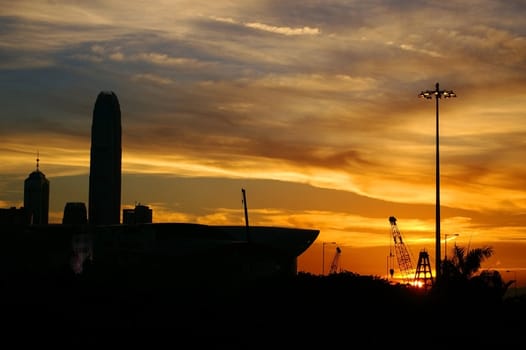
[(335, 261), (402, 253)]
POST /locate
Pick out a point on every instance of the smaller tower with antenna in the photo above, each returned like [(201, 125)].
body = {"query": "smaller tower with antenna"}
[(36, 196)]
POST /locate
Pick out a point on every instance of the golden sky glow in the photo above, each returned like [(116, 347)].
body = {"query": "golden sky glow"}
[(310, 106)]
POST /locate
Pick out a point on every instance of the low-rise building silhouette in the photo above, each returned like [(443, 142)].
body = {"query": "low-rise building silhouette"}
[(75, 213), (141, 214), (14, 216)]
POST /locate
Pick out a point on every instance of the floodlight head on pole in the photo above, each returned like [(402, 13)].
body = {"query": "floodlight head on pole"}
[(429, 94)]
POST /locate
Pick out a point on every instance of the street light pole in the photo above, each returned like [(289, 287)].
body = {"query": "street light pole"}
[(428, 94), (445, 243), (323, 256)]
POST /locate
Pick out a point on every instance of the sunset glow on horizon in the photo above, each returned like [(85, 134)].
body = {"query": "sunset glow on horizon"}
[(312, 107)]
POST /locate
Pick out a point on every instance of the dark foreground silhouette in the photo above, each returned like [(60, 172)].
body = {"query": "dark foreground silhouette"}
[(346, 308)]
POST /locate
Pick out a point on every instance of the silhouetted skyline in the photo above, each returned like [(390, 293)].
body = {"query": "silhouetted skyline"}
[(312, 108)]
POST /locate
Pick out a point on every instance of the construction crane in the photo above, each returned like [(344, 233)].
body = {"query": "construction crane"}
[(335, 261), (403, 255)]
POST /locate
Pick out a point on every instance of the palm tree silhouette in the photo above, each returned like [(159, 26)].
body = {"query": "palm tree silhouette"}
[(465, 264), (461, 282)]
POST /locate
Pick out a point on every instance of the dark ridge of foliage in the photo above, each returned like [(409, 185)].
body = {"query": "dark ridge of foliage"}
[(299, 309)]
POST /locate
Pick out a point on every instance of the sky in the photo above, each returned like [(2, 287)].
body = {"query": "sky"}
[(310, 106)]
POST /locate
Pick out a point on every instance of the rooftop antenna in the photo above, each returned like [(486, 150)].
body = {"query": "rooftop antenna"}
[(38, 160)]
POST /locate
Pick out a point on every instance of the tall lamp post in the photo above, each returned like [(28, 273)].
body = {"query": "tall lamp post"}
[(438, 94), (445, 242), (323, 256)]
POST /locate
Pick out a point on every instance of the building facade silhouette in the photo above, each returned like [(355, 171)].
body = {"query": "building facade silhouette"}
[(105, 161), (75, 213), (14, 216), (141, 214), (36, 196)]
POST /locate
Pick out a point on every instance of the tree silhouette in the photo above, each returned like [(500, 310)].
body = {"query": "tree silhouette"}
[(464, 264), (461, 282)]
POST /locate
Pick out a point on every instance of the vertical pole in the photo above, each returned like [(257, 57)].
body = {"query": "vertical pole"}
[(437, 219), (428, 95), (246, 213)]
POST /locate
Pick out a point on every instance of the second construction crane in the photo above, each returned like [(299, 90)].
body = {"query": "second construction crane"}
[(335, 261), (403, 255)]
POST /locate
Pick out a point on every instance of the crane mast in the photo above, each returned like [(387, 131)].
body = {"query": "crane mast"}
[(403, 256), (335, 261)]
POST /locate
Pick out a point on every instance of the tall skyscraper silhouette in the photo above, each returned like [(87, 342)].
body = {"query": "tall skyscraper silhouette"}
[(105, 162), (36, 196)]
